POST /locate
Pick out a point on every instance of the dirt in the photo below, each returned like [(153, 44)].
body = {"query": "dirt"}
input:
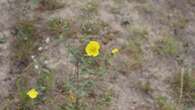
[(6, 23), (156, 15)]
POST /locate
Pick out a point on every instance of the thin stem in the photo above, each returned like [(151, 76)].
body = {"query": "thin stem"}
[(77, 83), (181, 85)]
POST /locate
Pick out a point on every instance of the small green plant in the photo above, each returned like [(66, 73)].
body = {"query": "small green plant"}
[(79, 89), (43, 83), (168, 46), (26, 41), (132, 49), (106, 98), (180, 23), (164, 104), (135, 54), (135, 49), (21, 85), (2, 40), (92, 26), (58, 25), (25, 44)]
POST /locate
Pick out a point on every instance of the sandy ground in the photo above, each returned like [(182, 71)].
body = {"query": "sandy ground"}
[(156, 15), (6, 22)]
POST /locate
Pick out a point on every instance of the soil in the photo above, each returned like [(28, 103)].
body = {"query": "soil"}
[(156, 15)]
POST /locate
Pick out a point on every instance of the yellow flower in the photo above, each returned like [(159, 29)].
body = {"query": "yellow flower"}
[(32, 93), (92, 48), (115, 50), (72, 97)]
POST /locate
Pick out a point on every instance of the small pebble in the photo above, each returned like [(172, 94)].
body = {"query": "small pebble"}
[(45, 62), (47, 40), (33, 57), (40, 48), (36, 67)]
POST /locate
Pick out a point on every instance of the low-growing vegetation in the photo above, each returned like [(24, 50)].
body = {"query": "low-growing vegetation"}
[(97, 55), (58, 26), (169, 46), (164, 104), (25, 44), (183, 86)]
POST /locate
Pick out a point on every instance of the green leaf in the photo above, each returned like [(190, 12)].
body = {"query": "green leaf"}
[(2, 40), (35, 1)]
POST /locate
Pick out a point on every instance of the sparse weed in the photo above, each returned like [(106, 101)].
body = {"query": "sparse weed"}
[(21, 85), (80, 88), (188, 85), (58, 26), (26, 41), (2, 40), (43, 83), (168, 46), (135, 54), (106, 98), (164, 104), (132, 50), (92, 26), (180, 23), (138, 33), (133, 57)]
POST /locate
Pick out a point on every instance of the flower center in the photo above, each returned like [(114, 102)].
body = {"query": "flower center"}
[(93, 49)]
